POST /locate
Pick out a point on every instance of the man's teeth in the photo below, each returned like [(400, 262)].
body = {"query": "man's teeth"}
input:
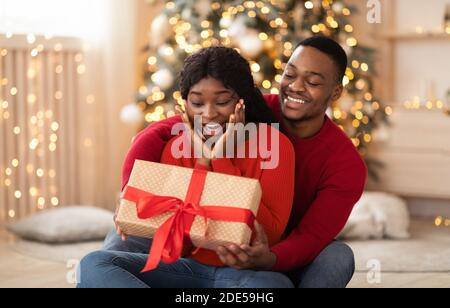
[(299, 101)]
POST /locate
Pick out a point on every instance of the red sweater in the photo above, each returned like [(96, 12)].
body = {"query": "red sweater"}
[(330, 178), (277, 187)]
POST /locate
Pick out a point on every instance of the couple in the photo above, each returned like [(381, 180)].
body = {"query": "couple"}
[(307, 198)]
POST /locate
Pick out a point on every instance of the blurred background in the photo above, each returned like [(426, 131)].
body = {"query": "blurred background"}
[(79, 79)]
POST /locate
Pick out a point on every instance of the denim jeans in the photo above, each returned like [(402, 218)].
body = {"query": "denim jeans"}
[(120, 263)]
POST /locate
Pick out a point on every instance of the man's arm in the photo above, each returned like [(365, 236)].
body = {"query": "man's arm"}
[(342, 188), (149, 145)]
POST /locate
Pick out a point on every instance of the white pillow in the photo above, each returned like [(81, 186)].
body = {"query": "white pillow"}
[(378, 215), (65, 225)]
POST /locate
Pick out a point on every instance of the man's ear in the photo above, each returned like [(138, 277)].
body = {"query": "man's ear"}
[(337, 92)]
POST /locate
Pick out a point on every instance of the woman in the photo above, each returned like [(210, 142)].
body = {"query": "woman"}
[(219, 90)]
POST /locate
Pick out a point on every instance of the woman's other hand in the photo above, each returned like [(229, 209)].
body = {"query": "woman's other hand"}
[(220, 147), (119, 231)]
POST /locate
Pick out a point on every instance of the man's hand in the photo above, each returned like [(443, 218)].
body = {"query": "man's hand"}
[(257, 256)]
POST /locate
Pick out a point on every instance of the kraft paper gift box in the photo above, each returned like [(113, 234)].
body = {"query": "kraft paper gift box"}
[(230, 194)]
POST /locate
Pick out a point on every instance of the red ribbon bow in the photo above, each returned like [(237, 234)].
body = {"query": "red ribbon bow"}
[(167, 243)]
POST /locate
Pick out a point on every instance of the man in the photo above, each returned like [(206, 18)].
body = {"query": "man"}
[(330, 174)]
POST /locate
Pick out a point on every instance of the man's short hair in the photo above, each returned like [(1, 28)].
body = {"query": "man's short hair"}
[(332, 49)]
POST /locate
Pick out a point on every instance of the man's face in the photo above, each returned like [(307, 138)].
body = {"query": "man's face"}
[(309, 85)]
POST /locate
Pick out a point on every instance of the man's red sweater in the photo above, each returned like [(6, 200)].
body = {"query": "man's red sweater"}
[(330, 179)]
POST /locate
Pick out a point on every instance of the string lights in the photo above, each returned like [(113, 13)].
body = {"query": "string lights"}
[(32, 113), (265, 32), (441, 221)]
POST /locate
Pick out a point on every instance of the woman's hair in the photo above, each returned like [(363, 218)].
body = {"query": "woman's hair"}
[(228, 66)]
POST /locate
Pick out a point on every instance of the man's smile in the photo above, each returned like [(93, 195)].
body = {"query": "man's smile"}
[(294, 102)]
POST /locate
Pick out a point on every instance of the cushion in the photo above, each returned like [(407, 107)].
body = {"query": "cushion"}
[(378, 215), (65, 225)]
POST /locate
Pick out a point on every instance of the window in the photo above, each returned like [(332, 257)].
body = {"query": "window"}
[(79, 18)]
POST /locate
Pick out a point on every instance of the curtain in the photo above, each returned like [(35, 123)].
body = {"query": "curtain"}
[(67, 68)]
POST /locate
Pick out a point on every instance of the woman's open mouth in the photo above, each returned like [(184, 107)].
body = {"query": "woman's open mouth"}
[(212, 129)]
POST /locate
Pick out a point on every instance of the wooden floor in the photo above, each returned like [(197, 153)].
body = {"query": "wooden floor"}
[(21, 271), (403, 280), (17, 270)]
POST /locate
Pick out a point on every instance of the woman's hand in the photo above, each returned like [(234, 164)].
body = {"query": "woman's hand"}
[(197, 141), (119, 231), (220, 146), (219, 149)]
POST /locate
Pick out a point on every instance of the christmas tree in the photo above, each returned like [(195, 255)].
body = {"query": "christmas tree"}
[(265, 32)]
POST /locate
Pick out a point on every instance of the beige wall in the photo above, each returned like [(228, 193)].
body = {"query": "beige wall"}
[(414, 148), (124, 61), (366, 33), (144, 16), (421, 64), (406, 66)]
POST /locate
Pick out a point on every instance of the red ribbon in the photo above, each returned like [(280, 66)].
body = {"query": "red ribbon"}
[(167, 243)]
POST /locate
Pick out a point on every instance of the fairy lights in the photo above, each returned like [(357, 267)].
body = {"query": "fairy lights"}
[(38, 130), (268, 25), (441, 221)]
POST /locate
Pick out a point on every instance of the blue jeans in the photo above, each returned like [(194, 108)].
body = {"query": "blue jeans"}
[(120, 263)]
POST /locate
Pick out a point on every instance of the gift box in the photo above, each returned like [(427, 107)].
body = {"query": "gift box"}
[(171, 203)]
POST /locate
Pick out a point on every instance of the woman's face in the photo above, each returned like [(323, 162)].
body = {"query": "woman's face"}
[(213, 102)]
